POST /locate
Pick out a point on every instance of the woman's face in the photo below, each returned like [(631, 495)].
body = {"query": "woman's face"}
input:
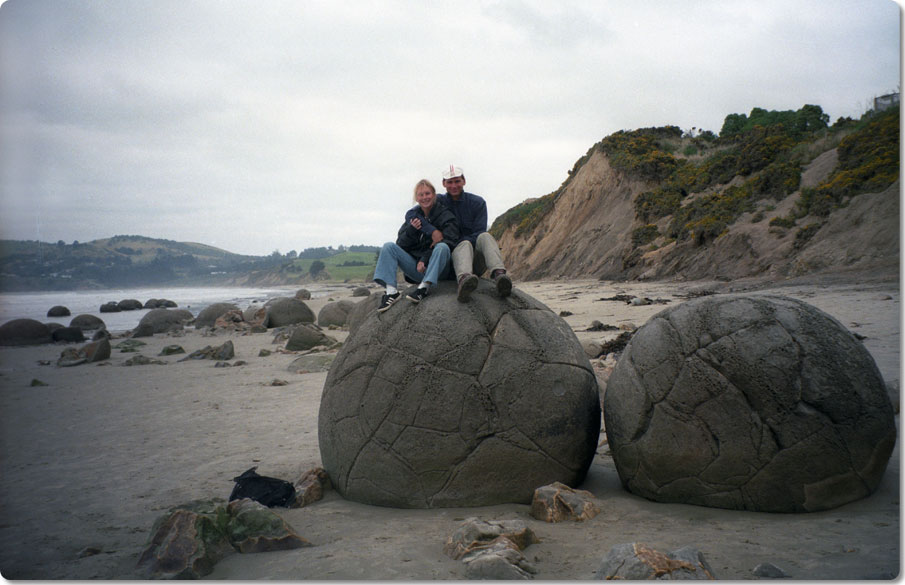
[(425, 197)]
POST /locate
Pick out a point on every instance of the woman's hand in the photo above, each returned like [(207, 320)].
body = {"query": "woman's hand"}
[(415, 223), (421, 266)]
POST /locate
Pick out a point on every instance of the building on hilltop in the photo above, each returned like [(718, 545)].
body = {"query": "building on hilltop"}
[(886, 101)]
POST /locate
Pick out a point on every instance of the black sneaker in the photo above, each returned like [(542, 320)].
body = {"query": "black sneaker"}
[(503, 284), (387, 301), (416, 295), (467, 283)]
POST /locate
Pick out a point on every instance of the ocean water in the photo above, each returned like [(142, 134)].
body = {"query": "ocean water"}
[(34, 305)]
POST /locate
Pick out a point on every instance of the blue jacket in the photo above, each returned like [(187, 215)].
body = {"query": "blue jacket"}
[(471, 213), (418, 242)]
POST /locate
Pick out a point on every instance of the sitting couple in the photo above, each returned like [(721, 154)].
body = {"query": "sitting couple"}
[(452, 226)]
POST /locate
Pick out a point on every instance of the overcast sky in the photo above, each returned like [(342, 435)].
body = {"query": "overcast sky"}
[(265, 125)]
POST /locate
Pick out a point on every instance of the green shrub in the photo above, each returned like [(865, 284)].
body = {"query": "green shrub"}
[(778, 179), (707, 217), (805, 234), (868, 162), (640, 152), (644, 235), (652, 205), (784, 222), (524, 216)]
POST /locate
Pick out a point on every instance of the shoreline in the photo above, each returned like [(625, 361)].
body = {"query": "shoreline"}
[(93, 458)]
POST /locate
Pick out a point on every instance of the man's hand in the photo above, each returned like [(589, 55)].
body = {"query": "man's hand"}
[(421, 266), (436, 237)]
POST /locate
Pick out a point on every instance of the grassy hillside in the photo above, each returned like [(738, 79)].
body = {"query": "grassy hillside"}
[(703, 183), (342, 267), (140, 260)]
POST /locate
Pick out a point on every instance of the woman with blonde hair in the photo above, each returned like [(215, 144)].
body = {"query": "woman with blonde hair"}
[(422, 248)]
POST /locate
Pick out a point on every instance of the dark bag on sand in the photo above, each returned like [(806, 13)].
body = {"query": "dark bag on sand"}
[(269, 491)]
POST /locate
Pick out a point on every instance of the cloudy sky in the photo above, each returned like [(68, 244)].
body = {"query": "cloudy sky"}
[(267, 125)]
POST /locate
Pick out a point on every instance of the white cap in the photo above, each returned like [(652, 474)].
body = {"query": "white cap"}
[(452, 172)]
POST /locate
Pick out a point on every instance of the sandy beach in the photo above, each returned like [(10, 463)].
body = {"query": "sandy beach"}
[(93, 457)]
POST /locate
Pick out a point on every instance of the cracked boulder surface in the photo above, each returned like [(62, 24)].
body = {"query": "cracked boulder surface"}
[(447, 404), (748, 402)]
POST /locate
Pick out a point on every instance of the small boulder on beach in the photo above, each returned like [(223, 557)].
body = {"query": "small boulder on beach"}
[(87, 322), (163, 320), (208, 315), (58, 311), (68, 334), (335, 313), (284, 311), (129, 305)]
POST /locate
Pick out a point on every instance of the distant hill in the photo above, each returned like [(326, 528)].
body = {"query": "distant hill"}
[(776, 195), (123, 261)]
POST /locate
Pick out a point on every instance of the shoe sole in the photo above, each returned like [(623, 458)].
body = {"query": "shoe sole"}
[(504, 285), (467, 287), (413, 299)]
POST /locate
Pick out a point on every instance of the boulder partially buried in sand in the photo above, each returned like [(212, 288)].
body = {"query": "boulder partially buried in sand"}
[(750, 402), (283, 311), (24, 332), (87, 322), (443, 404), (335, 313), (162, 320), (208, 316)]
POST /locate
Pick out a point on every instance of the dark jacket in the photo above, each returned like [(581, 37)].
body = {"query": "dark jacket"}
[(418, 242), (471, 213)]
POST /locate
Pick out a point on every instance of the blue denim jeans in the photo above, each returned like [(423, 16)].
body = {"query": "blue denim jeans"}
[(392, 256)]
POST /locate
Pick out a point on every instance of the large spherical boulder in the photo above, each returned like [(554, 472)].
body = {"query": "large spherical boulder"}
[(87, 322), (335, 313), (360, 312), (110, 307), (130, 304), (284, 311), (447, 404), (162, 320), (58, 311), (24, 332), (208, 315), (749, 402)]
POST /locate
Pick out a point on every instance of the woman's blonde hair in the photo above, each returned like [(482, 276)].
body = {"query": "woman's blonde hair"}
[(425, 183)]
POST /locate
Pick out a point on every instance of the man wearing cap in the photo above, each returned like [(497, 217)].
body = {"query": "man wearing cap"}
[(476, 251)]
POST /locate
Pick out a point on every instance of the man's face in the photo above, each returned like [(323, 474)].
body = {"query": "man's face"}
[(454, 186)]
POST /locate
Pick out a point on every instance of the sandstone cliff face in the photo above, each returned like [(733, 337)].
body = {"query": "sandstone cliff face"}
[(589, 233)]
